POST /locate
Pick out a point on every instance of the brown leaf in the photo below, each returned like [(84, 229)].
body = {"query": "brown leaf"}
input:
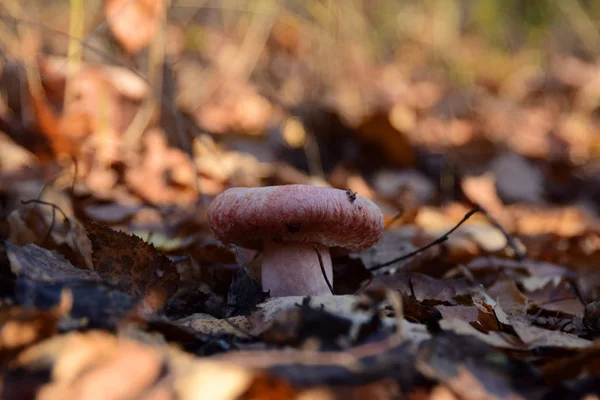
[(164, 175), (235, 168), (486, 318), (22, 327), (463, 313), (207, 324), (535, 336), (36, 263), (93, 107), (134, 22), (111, 213), (557, 295), (401, 184), (265, 387), (493, 338), (585, 361), (384, 389), (130, 263), (426, 288), (392, 244), (93, 365), (48, 124), (482, 190), (12, 156), (511, 301), (43, 225), (533, 268), (394, 145), (471, 368), (103, 379)]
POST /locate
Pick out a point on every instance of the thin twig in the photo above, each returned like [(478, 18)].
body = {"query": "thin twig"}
[(46, 203), (51, 227), (323, 269), (67, 221), (510, 241), (411, 286), (437, 241)]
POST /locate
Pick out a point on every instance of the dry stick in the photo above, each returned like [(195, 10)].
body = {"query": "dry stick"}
[(323, 269), (46, 203), (51, 227), (411, 287), (54, 208), (520, 255), (437, 241)]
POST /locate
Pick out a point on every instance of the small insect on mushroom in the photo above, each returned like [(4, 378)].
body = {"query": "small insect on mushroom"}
[(351, 195)]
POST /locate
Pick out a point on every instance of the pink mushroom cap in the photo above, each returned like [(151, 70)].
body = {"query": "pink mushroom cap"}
[(301, 213), (286, 221)]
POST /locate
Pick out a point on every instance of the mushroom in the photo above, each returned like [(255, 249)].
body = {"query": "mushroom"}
[(288, 223)]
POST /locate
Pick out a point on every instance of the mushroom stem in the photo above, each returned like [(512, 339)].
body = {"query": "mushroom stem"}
[(293, 269)]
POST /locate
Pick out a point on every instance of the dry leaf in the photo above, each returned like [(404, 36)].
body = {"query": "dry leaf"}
[(207, 324), (23, 327), (12, 156), (481, 190), (92, 365), (130, 263), (468, 366), (164, 175), (134, 22), (38, 264)]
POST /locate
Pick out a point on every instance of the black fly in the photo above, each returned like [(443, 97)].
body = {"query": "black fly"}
[(351, 195)]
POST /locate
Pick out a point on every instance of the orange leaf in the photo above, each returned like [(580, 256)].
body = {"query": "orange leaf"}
[(134, 22)]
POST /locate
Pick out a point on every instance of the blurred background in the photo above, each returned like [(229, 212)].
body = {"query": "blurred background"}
[(138, 104)]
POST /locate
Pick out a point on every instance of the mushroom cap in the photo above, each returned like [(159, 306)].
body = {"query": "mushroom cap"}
[(302, 213)]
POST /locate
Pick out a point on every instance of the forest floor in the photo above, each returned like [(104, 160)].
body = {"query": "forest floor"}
[(119, 125)]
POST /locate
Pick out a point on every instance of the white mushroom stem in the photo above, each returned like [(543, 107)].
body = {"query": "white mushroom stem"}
[(293, 269)]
